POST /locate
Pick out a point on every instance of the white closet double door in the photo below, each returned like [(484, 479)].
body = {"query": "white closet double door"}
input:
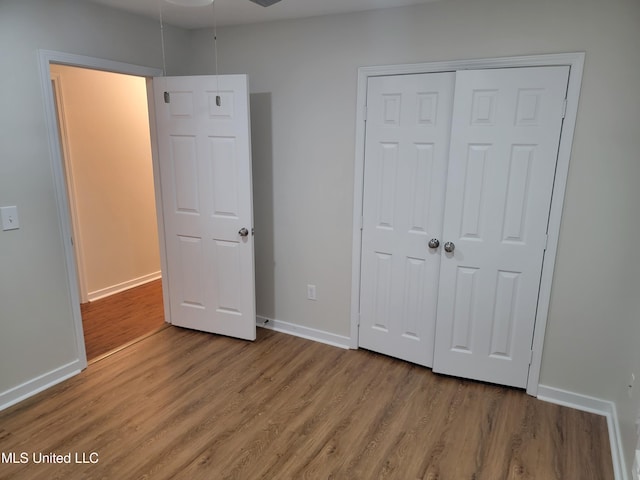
[(459, 171)]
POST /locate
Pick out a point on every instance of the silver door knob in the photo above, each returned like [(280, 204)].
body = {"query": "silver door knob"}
[(434, 243), (243, 232), (449, 247)]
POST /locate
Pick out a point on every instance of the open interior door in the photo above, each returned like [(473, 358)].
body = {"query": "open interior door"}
[(204, 150)]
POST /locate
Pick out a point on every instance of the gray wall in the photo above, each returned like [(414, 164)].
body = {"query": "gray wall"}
[(36, 327), (303, 175)]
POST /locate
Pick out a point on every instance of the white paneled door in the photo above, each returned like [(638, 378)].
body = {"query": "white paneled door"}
[(504, 145), (205, 168), (407, 143), (466, 302)]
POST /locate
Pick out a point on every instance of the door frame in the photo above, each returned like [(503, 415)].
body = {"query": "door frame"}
[(56, 85), (576, 63), (45, 59)]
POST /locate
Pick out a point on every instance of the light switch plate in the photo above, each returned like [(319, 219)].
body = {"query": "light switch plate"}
[(9, 217)]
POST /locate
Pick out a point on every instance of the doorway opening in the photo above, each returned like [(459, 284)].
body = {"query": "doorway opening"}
[(106, 158)]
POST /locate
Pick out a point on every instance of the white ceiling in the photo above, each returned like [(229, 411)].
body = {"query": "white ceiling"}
[(235, 12)]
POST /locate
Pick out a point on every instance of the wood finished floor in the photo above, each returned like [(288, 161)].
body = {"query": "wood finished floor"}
[(118, 319), (188, 405)]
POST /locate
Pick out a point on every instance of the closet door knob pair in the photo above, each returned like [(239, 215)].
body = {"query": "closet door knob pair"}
[(449, 247)]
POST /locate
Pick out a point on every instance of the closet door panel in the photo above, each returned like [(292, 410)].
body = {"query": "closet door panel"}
[(504, 143), (406, 152)]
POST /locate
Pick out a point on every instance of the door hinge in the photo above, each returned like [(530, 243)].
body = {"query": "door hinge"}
[(167, 97), (361, 222), (531, 358), (364, 113), (546, 242), (564, 108)]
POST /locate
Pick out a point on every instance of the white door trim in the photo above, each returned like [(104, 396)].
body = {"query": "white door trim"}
[(576, 63), (45, 58)]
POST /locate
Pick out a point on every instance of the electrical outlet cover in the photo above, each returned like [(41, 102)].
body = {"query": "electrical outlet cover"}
[(9, 217)]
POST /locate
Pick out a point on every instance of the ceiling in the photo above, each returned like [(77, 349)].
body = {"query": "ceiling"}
[(236, 12)]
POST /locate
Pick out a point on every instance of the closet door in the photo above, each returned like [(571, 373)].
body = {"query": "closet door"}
[(504, 144), (406, 152)]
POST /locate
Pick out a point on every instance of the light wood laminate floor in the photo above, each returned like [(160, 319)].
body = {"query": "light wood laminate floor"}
[(118, 319), (188, 405)]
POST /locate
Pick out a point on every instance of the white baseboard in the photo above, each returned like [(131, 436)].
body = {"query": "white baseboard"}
[(121, 287), (304, 332), (38, 384), (599, 407)]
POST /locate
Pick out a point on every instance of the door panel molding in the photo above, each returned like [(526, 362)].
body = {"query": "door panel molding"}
[(575, 62)]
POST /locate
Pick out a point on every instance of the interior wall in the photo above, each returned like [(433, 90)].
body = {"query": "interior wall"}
[(308, 69), (305, 74), (37, 333), (109, 155)]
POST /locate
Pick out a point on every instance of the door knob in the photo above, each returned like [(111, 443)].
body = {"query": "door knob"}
[(449, 247), (243, 232), (434, 243)]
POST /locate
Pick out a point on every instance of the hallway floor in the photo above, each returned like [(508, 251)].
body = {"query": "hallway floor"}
[(114, 321)]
